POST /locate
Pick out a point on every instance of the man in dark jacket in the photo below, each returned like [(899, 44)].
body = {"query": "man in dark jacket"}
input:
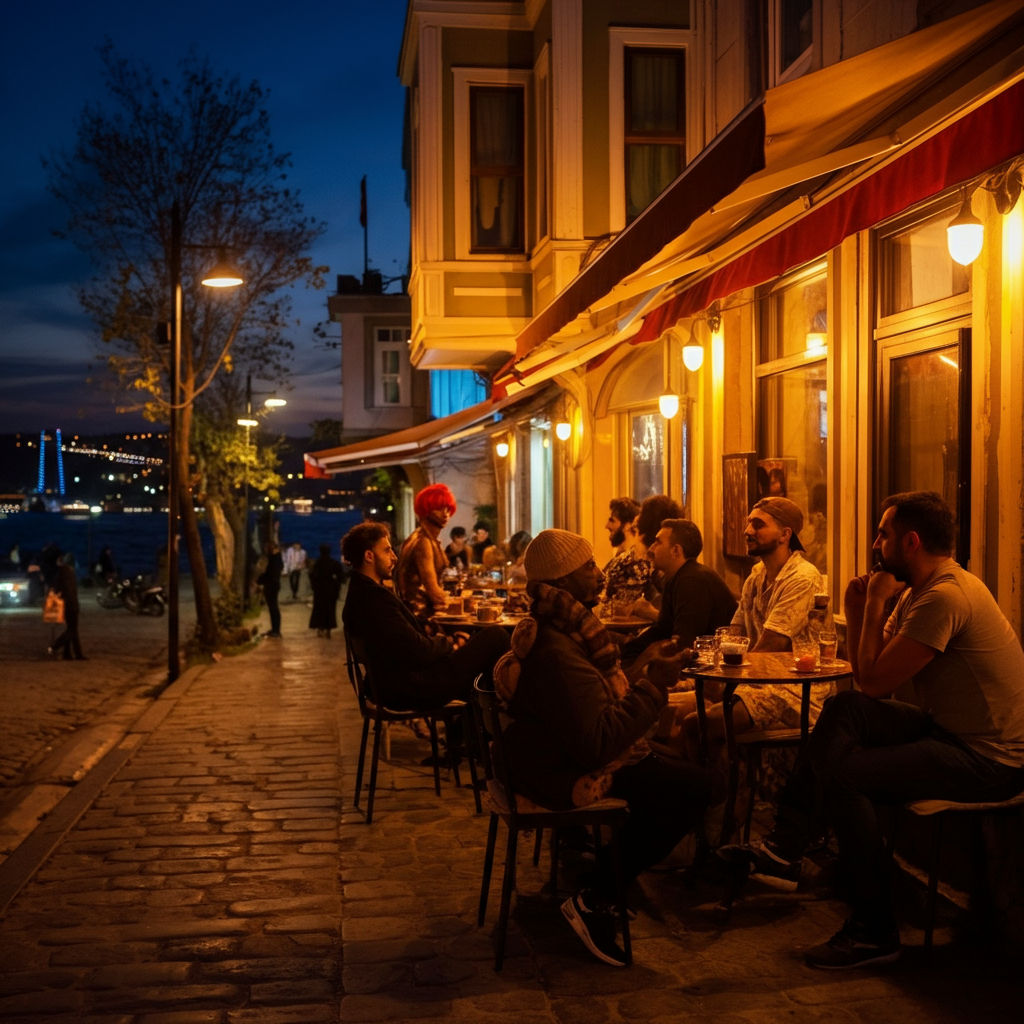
[(696, 600), (410, 668), (578, 727)]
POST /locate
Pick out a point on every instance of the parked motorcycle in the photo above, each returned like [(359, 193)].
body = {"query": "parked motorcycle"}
[(141, 596)]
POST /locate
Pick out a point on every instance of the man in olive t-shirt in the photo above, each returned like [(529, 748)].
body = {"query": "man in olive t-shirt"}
[(963, 740)]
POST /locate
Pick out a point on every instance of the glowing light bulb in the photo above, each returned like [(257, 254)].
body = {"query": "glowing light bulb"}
[(669, 405), (563, 431), (965, 235), (502, 449), (693, 357)]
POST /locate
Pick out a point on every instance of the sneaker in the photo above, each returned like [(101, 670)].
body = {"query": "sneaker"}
[(596, 927), (765, 865), (854, 946)]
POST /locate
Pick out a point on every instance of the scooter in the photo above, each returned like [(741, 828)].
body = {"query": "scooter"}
[(144, 597)]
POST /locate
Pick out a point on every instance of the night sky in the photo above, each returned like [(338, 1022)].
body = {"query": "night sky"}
[(335, 104)]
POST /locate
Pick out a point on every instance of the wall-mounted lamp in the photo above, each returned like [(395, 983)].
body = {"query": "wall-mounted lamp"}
[(563, 431), (502, 449), (248, 423), (693, 354), (275, 403), (965, 234), (669, 405), (817, 336)]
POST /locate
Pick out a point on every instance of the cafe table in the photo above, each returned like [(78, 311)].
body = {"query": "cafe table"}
[(759, 668), (469, 623)]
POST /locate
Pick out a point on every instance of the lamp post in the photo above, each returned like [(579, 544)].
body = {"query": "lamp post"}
[(221, 277), (272, 402)]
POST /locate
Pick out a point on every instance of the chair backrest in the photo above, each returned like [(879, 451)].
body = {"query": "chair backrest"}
[(489, 712), (358, 671)]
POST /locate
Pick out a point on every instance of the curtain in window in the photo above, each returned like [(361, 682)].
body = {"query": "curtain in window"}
[(497, 146), (651, 170), (654, 93), (454, 390)]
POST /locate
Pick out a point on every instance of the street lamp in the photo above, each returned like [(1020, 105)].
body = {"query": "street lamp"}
[(247, 421), (225, 278)]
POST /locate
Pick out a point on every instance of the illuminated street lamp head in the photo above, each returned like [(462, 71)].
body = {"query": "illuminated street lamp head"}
[(563, 431), (275, 403), (965, 234), (248, 423), (223, 275)]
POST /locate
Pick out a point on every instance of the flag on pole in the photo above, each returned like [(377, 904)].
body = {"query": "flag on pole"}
[(362, 202)]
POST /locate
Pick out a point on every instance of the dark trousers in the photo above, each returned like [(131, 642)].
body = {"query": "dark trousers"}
[(69, 638), (270, 596), (451, 678), (666, 799), (865, 752), (294, 578)]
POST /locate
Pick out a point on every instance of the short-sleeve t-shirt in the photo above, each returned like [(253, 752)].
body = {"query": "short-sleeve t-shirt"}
[(974, 687), (782, 606)]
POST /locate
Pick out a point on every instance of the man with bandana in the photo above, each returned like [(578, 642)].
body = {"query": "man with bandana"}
[(578, 727)]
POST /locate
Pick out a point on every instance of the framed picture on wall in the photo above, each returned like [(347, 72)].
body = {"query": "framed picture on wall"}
[(739, 492), (774, 477)]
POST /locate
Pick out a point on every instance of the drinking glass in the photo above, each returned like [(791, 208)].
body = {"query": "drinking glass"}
[(827, 644), (805, 655), (734, 650), (706, 650)]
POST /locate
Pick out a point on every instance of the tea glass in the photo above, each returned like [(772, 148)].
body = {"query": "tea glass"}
[(706, 650), (827, 644), (806, 649)]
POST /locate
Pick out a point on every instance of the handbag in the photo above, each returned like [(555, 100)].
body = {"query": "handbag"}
[(53, 607)]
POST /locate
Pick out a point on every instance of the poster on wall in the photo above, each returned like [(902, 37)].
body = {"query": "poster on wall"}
[(739, 492)]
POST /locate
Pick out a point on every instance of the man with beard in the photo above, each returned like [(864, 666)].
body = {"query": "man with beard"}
[(578, 726), (774, 610), (422, 560), (962, 740), (627, 573), (410, 668)]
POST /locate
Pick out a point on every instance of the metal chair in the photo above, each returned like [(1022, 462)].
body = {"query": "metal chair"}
[(504, 804), (373, 709), (938, 811)]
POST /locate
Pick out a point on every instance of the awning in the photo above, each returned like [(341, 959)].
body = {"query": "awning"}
[(852, 116), (411, 444)]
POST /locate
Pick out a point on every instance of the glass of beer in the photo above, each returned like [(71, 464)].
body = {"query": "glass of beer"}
[(827, 644), (733, 649)]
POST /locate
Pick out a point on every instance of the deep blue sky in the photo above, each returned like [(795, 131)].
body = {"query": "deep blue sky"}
[(335, 104)]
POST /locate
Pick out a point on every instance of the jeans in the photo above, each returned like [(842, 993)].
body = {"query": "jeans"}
[(270, 596), (294, 579), (864, 752), (666, 799), (69, 638)]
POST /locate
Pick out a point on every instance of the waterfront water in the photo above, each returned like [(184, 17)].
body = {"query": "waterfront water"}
[(136, 537)]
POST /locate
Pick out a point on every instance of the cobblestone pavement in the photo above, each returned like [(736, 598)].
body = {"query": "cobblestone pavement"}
[(222, 877)]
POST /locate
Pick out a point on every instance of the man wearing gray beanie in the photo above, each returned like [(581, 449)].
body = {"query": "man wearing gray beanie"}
[(578, 727)]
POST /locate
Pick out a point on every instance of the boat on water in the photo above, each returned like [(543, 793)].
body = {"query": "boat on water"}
[(75, 510)]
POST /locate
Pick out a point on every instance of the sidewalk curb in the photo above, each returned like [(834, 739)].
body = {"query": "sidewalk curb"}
[(26, 859)]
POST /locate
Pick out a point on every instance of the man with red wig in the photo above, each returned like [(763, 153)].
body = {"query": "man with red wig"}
[(422, 560)]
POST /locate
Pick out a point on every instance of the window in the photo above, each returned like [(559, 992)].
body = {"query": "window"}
[(454, 390), (647, 445), (541, 477), (496, 168), (655, 124), (792, 35), (391, 362), (792, 401)]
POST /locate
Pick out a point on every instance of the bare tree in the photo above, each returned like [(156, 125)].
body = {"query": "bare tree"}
[(204, 143)]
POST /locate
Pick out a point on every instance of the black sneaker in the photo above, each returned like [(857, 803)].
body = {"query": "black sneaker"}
[(596, 927), (765, 865), (854, 946)]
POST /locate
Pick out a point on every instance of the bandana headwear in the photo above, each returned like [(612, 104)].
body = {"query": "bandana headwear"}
[(785, 513), (553, 554)]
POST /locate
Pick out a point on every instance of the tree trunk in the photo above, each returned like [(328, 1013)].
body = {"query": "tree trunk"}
[(223, 540), (206, 624)]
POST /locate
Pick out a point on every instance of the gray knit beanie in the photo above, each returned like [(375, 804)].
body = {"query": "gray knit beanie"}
[(555, 553)]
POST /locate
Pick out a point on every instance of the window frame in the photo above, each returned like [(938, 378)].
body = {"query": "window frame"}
[(803, 63), (465, 79), (401, 347), (619, 40)]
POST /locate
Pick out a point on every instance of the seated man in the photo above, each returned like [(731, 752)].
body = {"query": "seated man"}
[(696, 600), (653, 512), (628, 572), (421, 562), (410, 668), (774, 610), (578, 727), (457, 551), (963, 740)]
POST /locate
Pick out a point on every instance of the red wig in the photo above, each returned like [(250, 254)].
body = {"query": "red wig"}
[(432, 499)]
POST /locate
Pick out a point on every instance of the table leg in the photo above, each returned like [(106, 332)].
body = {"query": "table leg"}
[(729, 698), (805, 713), (702, 719)]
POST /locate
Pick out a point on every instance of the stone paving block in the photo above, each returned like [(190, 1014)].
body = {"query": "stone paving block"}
[(195, 928), (294, 813), (35, 981), (304, 990), (243, 824), (172, 995), (391, 1007), (302, 923), (377, 890), (210, 948), (327, 904), (99, 953), (324, 1013), (848, 987), (318, 802), (375, 977), (184, 1017), (46, 1003), (274, 968), (443, 971), (388, 950), (137, 975), (187, 839)]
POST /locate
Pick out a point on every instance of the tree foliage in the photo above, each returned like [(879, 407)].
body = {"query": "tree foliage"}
[(203, 143)]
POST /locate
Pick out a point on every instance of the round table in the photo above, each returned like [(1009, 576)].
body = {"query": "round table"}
[(759, 668)]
